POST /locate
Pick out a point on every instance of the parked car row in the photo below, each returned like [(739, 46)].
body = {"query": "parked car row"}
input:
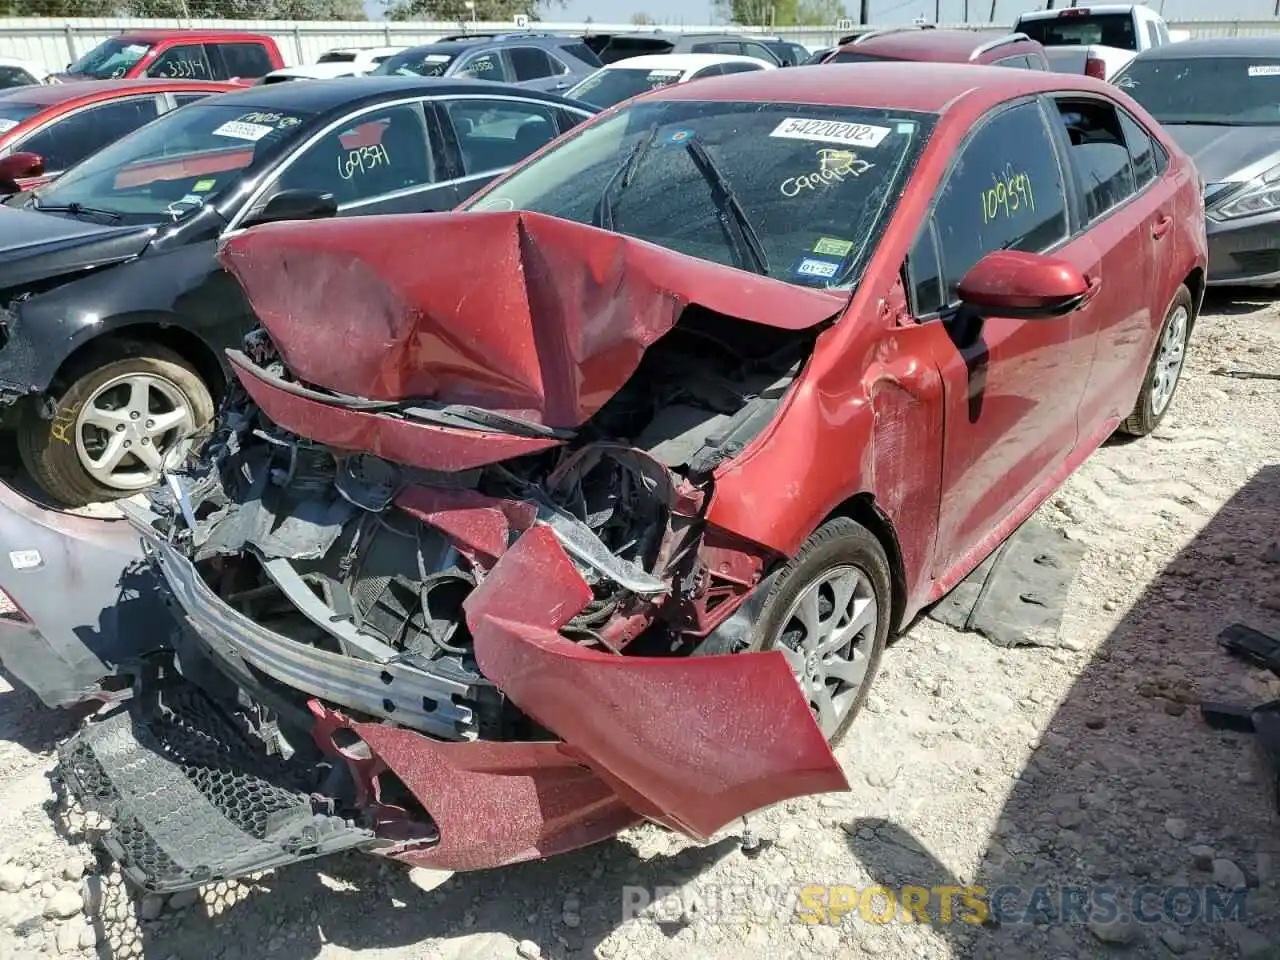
[(592, 498)]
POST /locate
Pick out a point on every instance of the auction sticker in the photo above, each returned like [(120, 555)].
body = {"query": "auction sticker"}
[(830, 131), (814, 267), (1267, 70), (25, 559), (242, 131), (830, 247), (7, 125)]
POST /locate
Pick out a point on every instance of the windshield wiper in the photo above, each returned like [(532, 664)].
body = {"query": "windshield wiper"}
[(624, 173), (76, 210), (730, 209)]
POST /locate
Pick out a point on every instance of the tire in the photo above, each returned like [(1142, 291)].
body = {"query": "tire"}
[(1148, 411), (52, 451), (839, 544)]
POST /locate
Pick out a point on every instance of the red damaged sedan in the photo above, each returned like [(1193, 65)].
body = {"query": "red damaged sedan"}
[(597, 501)]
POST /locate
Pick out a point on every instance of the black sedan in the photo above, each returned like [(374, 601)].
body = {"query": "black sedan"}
[(114, 316)]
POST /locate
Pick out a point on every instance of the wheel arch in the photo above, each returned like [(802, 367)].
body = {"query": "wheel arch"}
[(1195, 284), (863, 509)]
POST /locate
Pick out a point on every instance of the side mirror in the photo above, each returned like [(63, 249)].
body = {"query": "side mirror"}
[(295, 205), (1026, 286), (19, 166)]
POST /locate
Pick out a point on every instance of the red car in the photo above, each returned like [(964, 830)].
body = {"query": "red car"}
[(178, 55), (44, 130), (490, 558), (944, 46)]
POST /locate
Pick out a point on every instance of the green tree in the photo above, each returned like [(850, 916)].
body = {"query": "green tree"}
[(781, 13), (641, 19), (457, 11)]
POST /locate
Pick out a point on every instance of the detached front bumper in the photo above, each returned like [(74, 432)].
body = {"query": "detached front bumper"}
[(1244, 252)]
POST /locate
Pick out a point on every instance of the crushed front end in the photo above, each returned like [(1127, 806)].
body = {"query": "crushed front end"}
[(459, 634)]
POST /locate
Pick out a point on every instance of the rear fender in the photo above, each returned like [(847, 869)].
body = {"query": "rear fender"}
[(87, 603), (691, 742)]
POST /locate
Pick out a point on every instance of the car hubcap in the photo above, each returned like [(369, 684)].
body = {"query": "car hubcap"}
[(827, 638), (127, 428), (1173, 347)]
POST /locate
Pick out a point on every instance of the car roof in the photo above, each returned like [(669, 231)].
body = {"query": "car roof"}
[(892, 85), (1216, 47), (152, 36), (321, 96), (460, 44), (678, 61), (55, 93), (953, 45)]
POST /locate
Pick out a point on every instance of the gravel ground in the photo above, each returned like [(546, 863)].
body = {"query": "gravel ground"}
[(1085, 766)]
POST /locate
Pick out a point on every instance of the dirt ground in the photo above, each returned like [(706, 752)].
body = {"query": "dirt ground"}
[(1084, 768)]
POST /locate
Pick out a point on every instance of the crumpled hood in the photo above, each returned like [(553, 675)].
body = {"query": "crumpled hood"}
[(517, 312), (35, 246)]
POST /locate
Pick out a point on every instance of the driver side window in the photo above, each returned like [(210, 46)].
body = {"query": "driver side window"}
[(1005, 191), (485, 66)]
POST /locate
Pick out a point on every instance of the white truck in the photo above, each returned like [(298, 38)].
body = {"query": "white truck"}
[(1096, 40)]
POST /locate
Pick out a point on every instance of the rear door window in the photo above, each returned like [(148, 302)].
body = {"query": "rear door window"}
[(580, 51), (496, 134), (1005, 192), (740, 67), (1142, 152), (1098, 154), (531, 63), (70, 139), (185, 61), (242, 59), (1018, 63)]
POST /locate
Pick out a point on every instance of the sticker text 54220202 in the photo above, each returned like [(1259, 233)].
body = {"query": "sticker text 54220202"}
[(833, 167), (831, 131), (1010, 192)]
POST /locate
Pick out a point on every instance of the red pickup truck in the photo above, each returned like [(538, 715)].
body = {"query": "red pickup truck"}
[(178, 55)]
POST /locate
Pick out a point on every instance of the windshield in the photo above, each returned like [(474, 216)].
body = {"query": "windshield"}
[(1071, 30), (854, 56), (12, 114), (337, 57), (111, 58), (1237, 91), (604, 88), (170, 167), (814, 184), (416, 63)]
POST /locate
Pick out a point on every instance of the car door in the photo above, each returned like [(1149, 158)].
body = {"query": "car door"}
[(66, 140), (375, 160), (493, 134), (536, 69), (182, 61), (1011, 387), (1128, 212)]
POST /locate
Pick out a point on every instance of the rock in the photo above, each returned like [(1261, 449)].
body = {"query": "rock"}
[(1202, 856), (1227, 874), (826, 939), (1177, 828), (1119, 931), (1174, 940), (63, 904), (426, 879), (73, 870), (47, 890), (1251, 944), (1272, 553), (1070, 819), (528, 950), (1096, 723), (571, 920), (12, 877), (151, 907), (183, 899), (69, 934), (88, 937), (1174, 708)]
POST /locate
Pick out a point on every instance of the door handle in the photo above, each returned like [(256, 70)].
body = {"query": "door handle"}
[(1161, 227)]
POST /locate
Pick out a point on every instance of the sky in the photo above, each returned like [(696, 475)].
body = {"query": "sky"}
[(889, 12)]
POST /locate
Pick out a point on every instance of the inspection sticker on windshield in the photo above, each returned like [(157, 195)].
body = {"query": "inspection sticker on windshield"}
[(25, 559), (7, 125), (242, 131), (1267, 70), (817, 268), (831, 131), (202, 186)]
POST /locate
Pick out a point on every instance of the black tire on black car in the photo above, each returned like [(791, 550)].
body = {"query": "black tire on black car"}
[(47, 447)]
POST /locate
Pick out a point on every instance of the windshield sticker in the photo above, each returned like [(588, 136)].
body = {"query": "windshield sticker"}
[(495, 203), (280, 121), (664, 75), (1267, 70), (1010, 193), (817, 268), (366, 135), (831, 131), (436, 58), (6, 125), (830, 170), (25, 559), (136, 49), (203, 186), (243, 131), (678, 137), (831, 247), (362, 160)]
